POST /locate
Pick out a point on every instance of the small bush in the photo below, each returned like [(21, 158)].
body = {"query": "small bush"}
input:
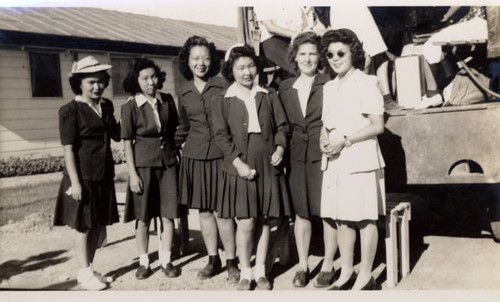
[(29, 166), (18, 166)]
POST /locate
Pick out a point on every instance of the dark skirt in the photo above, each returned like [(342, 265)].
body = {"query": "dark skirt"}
[(198, 183), (304, 181), (158, 197), (97, 207), (266, 195)]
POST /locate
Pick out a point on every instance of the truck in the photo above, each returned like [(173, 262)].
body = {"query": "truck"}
[(448, 151)]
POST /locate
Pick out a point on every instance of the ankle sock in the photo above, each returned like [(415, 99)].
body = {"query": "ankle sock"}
[(144, 260), (246, 273), (165, 257), (260, 271), (85, 273)]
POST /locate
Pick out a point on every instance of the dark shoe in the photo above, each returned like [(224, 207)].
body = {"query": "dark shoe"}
[(244, 284), (233, 275), (346, 286), (143, 272), (301, 278), (370, 285), (391, 105), (324, 279), (263, 284), (212, 268), (170, 270)]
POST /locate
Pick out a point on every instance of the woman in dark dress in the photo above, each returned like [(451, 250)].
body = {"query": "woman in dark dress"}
[(149, 120), (250, 129), (302, 99), (87, 199), (201, 159)]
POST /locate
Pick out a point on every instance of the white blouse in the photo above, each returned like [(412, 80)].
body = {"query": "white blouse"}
[(253, 119)]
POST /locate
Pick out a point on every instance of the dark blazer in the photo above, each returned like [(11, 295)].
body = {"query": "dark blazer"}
[(230, 121), (304, 131), (151, 148), (90, 137), (195, 125)]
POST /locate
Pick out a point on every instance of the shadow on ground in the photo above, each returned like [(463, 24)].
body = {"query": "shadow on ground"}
[(14, 267)]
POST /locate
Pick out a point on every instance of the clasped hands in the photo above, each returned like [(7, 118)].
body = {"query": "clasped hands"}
[(333, 145)]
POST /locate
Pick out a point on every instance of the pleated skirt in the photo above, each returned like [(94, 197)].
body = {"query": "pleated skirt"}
[(266, 195), (199, 183)]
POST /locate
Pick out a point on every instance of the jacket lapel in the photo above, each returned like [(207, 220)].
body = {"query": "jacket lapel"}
[(318, 83)]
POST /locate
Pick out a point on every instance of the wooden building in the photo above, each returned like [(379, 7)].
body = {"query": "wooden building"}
[(39, 45)]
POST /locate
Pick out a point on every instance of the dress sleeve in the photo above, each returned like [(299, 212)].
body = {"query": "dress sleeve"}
[(372, 101), (68, 126), (128, 124), (114, 125)]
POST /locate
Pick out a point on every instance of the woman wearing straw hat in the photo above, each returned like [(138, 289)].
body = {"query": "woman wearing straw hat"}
[(86, 199)]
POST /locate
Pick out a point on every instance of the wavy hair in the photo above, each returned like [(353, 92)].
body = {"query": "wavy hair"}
[(131, 84), (345, 36), (75, 80), (184, 57), (235, 53), (303, 38)]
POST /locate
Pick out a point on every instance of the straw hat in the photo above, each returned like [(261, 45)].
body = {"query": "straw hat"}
[(88, 65)]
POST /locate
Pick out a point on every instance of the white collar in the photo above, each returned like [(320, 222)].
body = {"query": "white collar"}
[(355, 76), (141, 99), (80, 99), (235, 91)]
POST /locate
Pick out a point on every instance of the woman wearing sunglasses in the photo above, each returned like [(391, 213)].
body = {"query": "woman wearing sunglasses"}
[(302, 99), (353, 178)]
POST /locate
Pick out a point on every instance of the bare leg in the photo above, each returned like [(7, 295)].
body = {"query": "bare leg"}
[(81, 248), (346, 239), (331, 245), (94, 235), (208, 226), (142, 237), (369, 240), (227, 235), (244, 233), (303, 231), (263, 244), (168, 234), (383, 78)]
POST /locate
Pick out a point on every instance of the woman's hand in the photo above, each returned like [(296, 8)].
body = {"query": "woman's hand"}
[(75, 191), (335, 145), (135, 183), (243, 169), (277, 156)]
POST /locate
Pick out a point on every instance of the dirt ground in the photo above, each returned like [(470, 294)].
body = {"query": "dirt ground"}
[(34, 255)]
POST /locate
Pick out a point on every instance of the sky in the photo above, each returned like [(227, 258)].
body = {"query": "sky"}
[(220, 12)]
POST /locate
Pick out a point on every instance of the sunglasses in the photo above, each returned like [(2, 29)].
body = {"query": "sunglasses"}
[(340, 54)]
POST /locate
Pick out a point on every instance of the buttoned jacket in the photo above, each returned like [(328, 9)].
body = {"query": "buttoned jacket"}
[(304, 130), (230, 120), (90, 136), (195, 125), (152, 148)]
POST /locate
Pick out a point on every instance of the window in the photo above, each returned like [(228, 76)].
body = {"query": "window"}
[(121, 67), (45, 73)]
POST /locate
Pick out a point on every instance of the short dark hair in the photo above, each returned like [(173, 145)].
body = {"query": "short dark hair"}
[(238, 52), (75, 80), (184, 56), (130, 83), (347, 37), (303, 38)]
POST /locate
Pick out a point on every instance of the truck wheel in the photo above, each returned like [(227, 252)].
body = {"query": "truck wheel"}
[(495, 230)]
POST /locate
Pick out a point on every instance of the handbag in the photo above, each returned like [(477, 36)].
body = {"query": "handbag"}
[(469, 86)]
